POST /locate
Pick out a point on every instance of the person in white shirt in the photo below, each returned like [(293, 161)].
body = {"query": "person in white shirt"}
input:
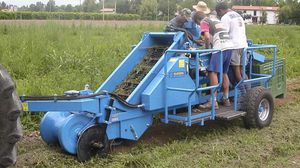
[(235, 25)]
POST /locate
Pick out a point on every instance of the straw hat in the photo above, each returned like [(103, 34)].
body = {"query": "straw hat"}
[(202, 6)]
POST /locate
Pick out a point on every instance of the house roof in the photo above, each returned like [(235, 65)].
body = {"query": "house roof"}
[(257, 8)]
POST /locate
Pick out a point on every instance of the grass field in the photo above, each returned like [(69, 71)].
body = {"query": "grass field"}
[(51, 58)]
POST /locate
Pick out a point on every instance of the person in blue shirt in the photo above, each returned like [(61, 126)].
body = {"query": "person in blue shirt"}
[(183, 22)]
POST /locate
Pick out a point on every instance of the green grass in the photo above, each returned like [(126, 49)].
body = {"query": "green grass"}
[(52, 58), (287, 39), (49, 59)]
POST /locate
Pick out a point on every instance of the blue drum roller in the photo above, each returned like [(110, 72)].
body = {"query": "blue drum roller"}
[(63, 127)]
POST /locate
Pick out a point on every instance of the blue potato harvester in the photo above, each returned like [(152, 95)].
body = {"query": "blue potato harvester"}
[(161, 75)]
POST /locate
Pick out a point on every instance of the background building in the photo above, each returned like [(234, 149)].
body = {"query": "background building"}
[(258, 14)]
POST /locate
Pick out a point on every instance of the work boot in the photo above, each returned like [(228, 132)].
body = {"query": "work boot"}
[(208, 105), (225, 102)]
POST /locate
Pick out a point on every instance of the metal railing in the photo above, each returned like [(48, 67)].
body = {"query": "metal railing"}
[(260, 77), (197, 89)]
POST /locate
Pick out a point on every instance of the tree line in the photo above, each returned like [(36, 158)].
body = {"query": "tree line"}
[(160, 9)]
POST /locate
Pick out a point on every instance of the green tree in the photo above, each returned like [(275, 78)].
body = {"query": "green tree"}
[(40, 6), (32, 7), (167, 8), (69, 8), (148, 9), (3, 5), (134, 5), (89, 6), (289, 12), (50, 7), (123, 6)]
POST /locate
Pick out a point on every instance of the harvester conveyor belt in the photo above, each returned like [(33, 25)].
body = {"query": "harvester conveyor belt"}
[(140, 71)]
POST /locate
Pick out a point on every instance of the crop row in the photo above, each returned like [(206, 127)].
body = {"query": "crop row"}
[(65, 16)]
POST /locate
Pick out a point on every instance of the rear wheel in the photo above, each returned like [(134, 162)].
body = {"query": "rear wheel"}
[(259, 108), (10, 125)]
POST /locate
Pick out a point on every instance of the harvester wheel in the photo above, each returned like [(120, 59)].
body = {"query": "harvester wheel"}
[(91, 142), (259, 108), (10, 125)]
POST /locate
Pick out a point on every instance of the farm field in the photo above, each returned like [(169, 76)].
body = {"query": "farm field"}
[(49, 58), (116, 23)]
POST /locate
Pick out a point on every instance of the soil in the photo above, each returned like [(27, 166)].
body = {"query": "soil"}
[(157, 134), (295, 161), (292, 94)]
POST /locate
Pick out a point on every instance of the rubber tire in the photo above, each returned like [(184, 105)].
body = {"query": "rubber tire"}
[(10, 125), (254, 97)]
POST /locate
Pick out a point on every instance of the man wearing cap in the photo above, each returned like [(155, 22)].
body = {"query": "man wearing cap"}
[(182, 22), (237, 32)]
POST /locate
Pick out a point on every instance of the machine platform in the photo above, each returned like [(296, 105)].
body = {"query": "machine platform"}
[(223, 113), (227, 113)]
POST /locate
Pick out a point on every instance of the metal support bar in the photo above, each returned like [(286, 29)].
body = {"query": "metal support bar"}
[(255, 46), (86, 105), (180, 89), (208, 88)]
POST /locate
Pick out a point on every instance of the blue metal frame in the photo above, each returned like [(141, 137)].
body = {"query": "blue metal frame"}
[(192, 91), (158, 85), (259, 77)]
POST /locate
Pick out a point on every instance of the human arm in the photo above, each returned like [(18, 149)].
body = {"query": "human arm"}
[(206, 39), (205, 33)]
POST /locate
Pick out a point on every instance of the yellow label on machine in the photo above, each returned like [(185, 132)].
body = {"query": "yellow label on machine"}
[(25, 106), (181, 63)]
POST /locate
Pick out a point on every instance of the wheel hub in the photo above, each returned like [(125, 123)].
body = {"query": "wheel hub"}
[(92, 141), (263, 109)]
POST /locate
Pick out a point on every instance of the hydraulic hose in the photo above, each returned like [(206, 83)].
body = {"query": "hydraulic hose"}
[(67, 97)]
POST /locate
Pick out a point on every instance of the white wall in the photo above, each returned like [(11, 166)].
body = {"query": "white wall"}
[(271, 16)]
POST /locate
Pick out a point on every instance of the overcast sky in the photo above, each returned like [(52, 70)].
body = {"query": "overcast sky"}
[(28, 2)]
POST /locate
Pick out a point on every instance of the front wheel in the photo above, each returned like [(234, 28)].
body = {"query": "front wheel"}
[(259, 108)]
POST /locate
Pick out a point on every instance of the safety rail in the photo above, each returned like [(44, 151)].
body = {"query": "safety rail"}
[(197, 84), (260, 77)]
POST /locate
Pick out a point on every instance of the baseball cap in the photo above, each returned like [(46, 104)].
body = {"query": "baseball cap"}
[(186, 13)]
